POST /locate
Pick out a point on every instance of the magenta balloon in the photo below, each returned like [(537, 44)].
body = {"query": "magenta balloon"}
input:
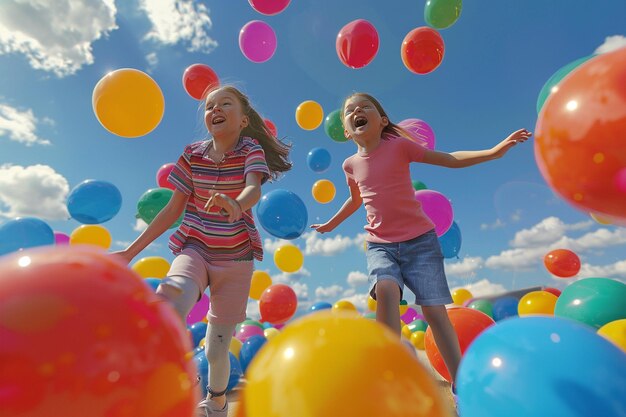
[(257, 41), (409, 316), (163, 173), (61, 238), (199, 310), (357, 43), (421, 129), (438, 208), (248, 330), (269, 7)]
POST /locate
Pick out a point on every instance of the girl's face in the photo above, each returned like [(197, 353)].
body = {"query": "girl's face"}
[(223, 114), (361, 118)]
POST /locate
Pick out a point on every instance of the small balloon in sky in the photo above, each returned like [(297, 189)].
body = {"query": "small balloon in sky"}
[(271, 126), (421, 130), (162, 176), (333, 126), (318, 159), (309, 115), (323, 191), (24, 232), (198, 79), (282, 214), (357, 43), (442, 14), (269, 7), (257, 41), (94, 202), (422, 50)]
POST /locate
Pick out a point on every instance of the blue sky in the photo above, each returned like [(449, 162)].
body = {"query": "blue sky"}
[(498, 56)]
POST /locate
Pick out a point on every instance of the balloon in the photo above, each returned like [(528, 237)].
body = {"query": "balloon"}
[(128, 103), (615, 331), (600, 219), (204, 371), (288, 258), (460, 296), (541, 366), (247, 331), (357, 43), (344, 305), (442, 14), (505, 307), (152, 202), (468, 324), (409, 315), (403, 307), (537, 302), (323, 191), (198, 79), (153, 283), (91, 234), (271, 126), (282, 214), (269, 7), (422, 50), (562, 262), (438, 209), (552, 85), (576, 128), (309, 115), (318, 159), (235, 346), (419, 185), (483, 306), (417, 339), (285, 376), (417, 325), (421, 130), (270, 333), (94, 202), (61, 238), (249, 349), (593, 301), (551, 290), (250, 322), (320, 305), (334, 127), (371, 303), (451, 241), (24, 232), (199, 310), (111, 345), (198, 332), (162, 176), (257, 41), (260, 281), (278, 303), (152, 267)]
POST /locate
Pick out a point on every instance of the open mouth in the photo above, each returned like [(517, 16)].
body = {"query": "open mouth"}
[(360, 121), (217, 120)]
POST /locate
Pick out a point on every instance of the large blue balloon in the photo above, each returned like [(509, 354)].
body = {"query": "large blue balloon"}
[(541, 366), (320, 305), (198, 332), (24, 232), (94, 202), (282, 214), (451, 241), (318, 159), (202, 364), (250, 348), (504, 307)]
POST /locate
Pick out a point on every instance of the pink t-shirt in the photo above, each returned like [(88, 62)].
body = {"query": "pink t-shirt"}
[(384, 180)]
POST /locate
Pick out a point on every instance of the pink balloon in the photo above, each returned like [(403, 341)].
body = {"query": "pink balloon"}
[(257, 41), (421, 129), (61, 238), (269, 7), (248, 330), (357, 43), (163, 173), (199, 310), (409, 316), (279, 325), (438, 208)]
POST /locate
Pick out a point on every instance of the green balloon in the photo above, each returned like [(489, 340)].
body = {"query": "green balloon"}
[(152, 202), (556, 78), (484, 306), (418, 325), (593, 301), (418, 185), (371, 316), (442, 14), (333, 126)]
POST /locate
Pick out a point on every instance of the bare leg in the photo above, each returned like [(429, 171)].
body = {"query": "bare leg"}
[(218, 338), (387, 304), (445, 337)]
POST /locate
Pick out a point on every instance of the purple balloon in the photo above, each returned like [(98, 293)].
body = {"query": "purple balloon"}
[(199, 310), (420, 129), (409, 316), (257, 41), (438, 208), (61, 238)]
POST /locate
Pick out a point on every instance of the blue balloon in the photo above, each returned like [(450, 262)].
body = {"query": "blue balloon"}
[(94, 202), (153, 282), (249, 348), (318, 159), (451, 241), (320, 305), (541, 366), (198, 331), (24, 232), (282, 214), (202, 364), (505, 307)]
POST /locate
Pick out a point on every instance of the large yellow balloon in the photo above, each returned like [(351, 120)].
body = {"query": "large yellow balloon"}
[(309, 115), (615, 331), (128, 103), (460, 296), (260, 281), (327, 364), (323, 191), (537, 302), (152, 267), (288, 258), (91, 234)]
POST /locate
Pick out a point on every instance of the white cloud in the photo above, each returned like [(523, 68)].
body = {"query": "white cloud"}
[(153, 60), (140, 225), (611, 43), (290, 278), (548, 231), (270, 245), (180, 21), (465, 268), (356, 278), (495, 225), (329, 294), (301, 290), (326, 246), (616, 270), (359, 300), (252, 310), (36, 190), (21, 125), (55, 36), (484, 288)]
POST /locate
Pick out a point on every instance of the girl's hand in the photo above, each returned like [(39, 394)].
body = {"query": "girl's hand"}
[(514, 138), (123, 255), (228, 206), (322, 228)]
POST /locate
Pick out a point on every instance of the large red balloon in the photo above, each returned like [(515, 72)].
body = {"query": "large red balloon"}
[(422, 50), (580, 144), (562, 262), (277, 304), (80, 331), (357, 43), (198, 79)]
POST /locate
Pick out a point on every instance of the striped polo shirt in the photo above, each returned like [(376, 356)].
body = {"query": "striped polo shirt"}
[(210, 233)]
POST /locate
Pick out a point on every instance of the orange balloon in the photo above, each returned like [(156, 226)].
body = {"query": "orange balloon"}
[(577, 138), (562, 262), (323, 191), (422, 50), (278, 303)]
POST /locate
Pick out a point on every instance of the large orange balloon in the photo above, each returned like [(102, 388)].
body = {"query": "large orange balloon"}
[(80, 331), (562, 262), (422, 50), (278, 303), (579, 137)]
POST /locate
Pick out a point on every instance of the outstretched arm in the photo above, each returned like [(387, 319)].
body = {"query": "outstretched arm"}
[(234, 208), (462, 159), (351, 205)]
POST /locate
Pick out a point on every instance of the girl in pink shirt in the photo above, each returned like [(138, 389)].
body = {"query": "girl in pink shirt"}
[(402, 247)]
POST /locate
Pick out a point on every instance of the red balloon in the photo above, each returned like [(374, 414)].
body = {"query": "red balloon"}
[(551, 290), (579, 145), (271, 126), (422, 50), (163, 173), (357, 43), (562, 262), (277, 304), (269, 7), (81, 331), (468, 324), (198, 79)]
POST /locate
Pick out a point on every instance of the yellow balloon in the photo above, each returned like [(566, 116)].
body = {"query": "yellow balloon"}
[(152, 267), (406, 332), (378, 375), (202, 342), (344, 305), (260, 281), (615, 331), (404, 306), (270, 333), (371, 303), (460, 296), (128, 103), (91, 234), (309, 115), (288, 258), (537, 302), (235, 347), (323, 191), (417, 339)]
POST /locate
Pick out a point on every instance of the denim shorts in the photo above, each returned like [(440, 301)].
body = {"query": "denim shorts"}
[(416, 263)]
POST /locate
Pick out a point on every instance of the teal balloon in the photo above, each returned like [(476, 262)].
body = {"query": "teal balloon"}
[(418, 325), (451, 241), (152, 202), (484, 306), (593, 301), (333, 126), (441, 14), (418, 185), (556, 78)]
